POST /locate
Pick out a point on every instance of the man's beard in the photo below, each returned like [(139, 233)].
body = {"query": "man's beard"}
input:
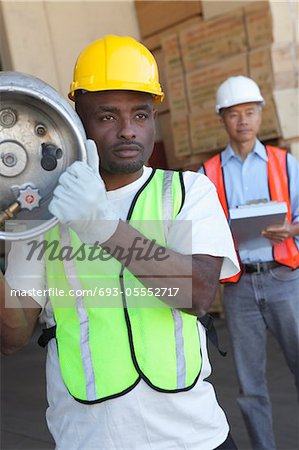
[(125, 168)]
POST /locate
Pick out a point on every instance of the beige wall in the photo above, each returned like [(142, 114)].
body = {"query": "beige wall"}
[(44, 38)]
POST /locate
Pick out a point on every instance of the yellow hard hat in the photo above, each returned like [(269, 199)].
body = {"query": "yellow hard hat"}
[(116, 63)]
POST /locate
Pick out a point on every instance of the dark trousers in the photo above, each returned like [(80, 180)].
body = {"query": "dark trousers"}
[(228, 444)]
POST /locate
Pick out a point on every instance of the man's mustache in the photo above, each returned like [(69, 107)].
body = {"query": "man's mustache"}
[(132, 144)]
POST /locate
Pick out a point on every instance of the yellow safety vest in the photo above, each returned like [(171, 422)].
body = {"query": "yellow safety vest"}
[(104, 350)]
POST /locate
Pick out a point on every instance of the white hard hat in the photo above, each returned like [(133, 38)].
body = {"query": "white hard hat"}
[(237, 90)]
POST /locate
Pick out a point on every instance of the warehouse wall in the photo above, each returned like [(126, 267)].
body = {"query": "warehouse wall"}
[(44, 38), (196, 43)]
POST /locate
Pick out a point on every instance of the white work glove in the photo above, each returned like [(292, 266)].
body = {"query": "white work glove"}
[(80, 200)]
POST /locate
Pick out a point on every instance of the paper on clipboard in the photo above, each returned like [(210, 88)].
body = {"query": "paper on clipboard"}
[(248, 221)]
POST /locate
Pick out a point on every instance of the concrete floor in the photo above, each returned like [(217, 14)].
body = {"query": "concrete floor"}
[(23, 398), (281, 386)]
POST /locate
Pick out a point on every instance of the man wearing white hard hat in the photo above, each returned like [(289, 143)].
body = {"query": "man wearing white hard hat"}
[(266, 293)]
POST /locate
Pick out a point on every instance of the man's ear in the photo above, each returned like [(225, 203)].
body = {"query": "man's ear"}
[(155, 113), (221, 121)]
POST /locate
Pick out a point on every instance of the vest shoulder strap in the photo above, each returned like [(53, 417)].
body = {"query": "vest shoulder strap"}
[(214, 172), (278, 175)]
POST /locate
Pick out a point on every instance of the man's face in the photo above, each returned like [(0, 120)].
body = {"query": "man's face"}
[(122, 123), (242, 122)]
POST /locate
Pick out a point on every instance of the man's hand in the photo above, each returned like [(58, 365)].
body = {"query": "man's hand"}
[(279, 233), (18, 317), (80, 200)]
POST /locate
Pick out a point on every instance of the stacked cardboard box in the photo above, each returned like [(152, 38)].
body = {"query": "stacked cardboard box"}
[(206, 131), (270, 21), (160, 23), (169, 60), (175, 150), (192, 54), (156, 16), (177, 96), (212, 41), (273, 63), (287, 105), (274, 68), (203, 83), (196, 53), (212, 51)]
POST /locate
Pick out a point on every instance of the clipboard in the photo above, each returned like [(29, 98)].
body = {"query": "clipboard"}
[(248, 221)]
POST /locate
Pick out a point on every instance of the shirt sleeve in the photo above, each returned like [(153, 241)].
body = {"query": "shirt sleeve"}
[(26, 272), (208, 231), (293, 171)]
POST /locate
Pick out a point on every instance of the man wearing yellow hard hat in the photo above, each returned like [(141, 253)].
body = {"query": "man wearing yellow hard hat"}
[(127, 363)]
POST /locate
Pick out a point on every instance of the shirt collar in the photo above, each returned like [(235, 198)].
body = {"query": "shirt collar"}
[(259, 149)]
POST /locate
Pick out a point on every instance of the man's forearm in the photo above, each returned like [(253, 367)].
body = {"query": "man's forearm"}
[(17, 318), (195, 278)]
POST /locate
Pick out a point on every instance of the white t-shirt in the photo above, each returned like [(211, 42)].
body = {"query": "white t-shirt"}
[(142, 419)]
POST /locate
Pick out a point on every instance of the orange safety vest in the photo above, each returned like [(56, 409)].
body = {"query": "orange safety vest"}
[(285, 253)]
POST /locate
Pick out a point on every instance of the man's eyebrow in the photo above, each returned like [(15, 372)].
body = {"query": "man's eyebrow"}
[(144, 106), (112, 109)]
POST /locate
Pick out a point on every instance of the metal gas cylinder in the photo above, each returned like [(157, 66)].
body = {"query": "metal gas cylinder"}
[(40, 136)]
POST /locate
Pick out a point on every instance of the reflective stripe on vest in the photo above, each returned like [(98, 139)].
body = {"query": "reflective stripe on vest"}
[(167, 206), (285, 253), (104, 351), (75, 285)]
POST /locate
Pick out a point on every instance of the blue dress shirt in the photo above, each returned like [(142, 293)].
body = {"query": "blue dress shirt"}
[(247, 180)]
